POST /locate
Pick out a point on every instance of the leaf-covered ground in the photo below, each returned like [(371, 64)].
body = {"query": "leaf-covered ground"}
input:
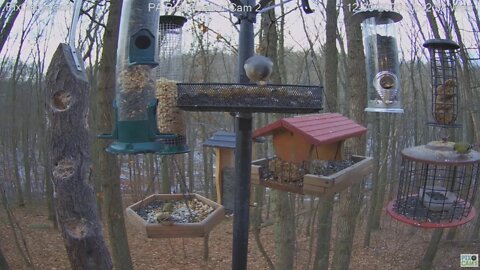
[(395, 246)]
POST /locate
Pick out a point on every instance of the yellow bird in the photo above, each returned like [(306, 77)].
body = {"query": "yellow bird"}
[(462, 147)]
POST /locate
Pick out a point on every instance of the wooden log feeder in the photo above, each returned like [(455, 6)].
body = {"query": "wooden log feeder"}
[(309, 157), (152, 218)]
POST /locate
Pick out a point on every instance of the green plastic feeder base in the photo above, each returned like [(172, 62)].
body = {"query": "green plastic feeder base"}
[(174, 149), (135, 148), (142, 136)]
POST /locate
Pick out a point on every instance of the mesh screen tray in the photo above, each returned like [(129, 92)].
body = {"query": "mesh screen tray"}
[(249, 98)]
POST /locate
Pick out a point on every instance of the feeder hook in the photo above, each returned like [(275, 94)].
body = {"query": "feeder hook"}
[(73, 30)]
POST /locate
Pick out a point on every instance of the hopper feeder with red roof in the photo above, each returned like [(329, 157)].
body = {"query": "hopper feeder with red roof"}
[(309, 155)]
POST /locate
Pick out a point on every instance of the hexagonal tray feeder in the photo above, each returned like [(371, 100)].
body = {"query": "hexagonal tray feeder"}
[(309, 156), (229, 97), (137, 215), (309, 178)]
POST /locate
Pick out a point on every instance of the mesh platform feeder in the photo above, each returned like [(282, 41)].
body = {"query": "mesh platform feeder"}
[(382, 65), (437, 186), (444, 81), (135, 103)]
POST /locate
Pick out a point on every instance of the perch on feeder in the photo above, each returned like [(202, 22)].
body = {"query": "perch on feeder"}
[(444, 81), (135, 104), (382, 66), (437, 186), (306, 148)]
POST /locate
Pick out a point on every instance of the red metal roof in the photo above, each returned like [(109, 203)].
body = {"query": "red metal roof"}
[(318, 128)]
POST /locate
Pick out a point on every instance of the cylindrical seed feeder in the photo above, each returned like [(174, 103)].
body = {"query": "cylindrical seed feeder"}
[(437, 186), (170, 119), (444, 81), (170, 32), (135, 128), (382, 65)]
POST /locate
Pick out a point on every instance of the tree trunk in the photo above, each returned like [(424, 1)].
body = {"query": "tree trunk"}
[(8, 15), (3, 261), (26, 162), (351, 198), (74, 199), (427, 261), (324, 229), (324, 233), (284, 230), (107, 167), (166, 176)]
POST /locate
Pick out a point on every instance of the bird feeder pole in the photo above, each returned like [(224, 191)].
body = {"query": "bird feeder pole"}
[(243, 154)]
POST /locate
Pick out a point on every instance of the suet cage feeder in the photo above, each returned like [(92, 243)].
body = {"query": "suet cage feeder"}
[(382, 65), (135, 105), (444, 81), (170, 119), (437, 186)]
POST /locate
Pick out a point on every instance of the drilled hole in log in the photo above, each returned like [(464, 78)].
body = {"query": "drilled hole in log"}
[(76, 228), (61, 100), (63, 169)]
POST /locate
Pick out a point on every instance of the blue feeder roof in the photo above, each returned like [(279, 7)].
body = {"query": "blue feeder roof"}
[(221, 139)]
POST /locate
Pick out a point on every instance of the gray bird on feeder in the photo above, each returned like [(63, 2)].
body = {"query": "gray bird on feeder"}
[(258, 69)]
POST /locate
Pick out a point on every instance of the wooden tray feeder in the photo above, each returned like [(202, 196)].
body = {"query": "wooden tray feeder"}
[(308, 144), (175, 230)]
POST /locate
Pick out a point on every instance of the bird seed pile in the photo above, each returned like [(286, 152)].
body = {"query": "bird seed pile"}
[(170, 119), (170, 212), (135, 85), (291, 173)]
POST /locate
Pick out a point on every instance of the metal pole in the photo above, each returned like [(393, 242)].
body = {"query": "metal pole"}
[(243, 154)]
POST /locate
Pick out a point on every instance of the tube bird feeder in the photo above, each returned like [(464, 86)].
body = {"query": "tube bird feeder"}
[(437, 186), (135, 103), (170, 119), (443, 55), (382, 65)]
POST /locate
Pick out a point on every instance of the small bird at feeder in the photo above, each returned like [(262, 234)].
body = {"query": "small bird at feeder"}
[(463, 147), (165, 216), (258, 69), (168, 207)]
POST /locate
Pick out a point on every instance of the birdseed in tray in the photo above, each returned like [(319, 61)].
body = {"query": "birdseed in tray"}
[(249, 97), (291, 173), (174, 211)]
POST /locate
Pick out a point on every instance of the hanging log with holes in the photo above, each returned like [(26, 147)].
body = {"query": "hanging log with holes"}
[(75, 206)]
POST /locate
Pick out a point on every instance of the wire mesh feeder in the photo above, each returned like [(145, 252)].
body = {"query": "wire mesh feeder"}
[(226, 97), (437, 186), (170, 47), (170, 119), (444, 81)]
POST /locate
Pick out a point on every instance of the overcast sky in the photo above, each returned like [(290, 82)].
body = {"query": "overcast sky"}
[(218, 21)]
